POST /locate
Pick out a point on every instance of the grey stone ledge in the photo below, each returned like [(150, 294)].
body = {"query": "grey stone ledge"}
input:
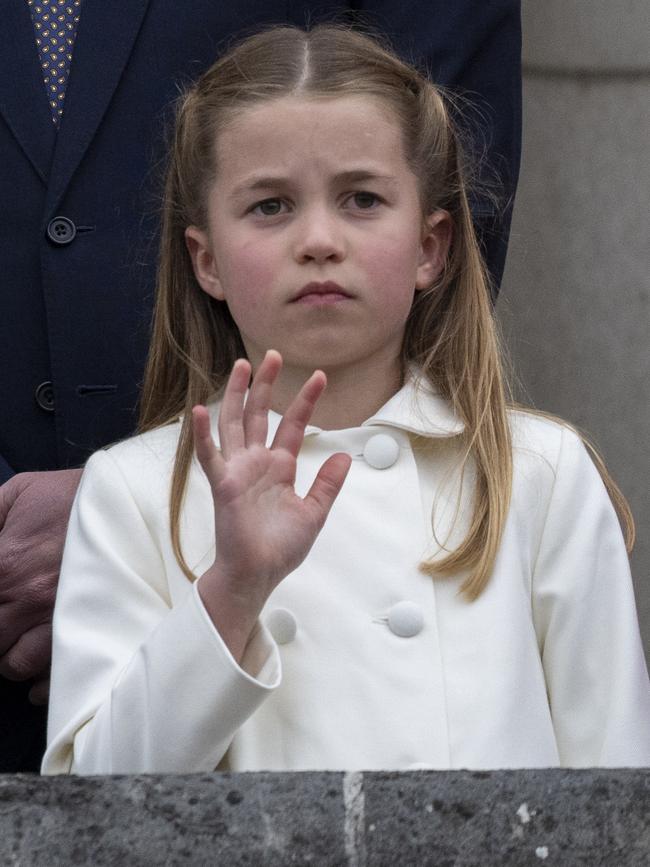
[(443, 818)]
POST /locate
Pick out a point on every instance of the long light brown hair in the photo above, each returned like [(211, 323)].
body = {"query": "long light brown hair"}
[(450, 333)]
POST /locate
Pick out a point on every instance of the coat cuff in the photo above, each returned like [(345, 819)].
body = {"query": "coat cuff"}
[(260, 665)]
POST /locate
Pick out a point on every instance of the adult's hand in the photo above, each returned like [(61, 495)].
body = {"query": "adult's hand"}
[(34, 513)]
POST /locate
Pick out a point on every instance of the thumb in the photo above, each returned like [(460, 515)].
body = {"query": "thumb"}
[(327, 484)]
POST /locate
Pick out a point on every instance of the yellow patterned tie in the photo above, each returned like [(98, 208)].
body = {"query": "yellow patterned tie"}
[(55, 27)]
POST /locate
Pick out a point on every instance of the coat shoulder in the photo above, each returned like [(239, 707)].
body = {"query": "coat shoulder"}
[(147, 452), (541, 445), (540, 436), (144, 463)]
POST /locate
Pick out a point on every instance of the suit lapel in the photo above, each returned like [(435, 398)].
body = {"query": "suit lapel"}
[(105, 39), (23, 101)]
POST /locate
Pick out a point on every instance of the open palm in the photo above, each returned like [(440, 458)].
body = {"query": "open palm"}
[(264, 530)]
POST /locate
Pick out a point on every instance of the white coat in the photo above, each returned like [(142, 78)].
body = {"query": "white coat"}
[(544, 669)]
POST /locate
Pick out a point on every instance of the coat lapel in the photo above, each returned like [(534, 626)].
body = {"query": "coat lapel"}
[(105, 39), (21, 86)]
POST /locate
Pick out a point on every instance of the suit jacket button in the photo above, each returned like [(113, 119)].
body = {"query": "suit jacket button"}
[(406, 619), (381, 451), (61, 230), (44, 395), (282, 625)]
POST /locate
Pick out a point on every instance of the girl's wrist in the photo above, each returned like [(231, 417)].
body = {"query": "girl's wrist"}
[(233, 609)]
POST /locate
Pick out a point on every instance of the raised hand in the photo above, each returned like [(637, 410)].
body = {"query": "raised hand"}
[(264, 530)]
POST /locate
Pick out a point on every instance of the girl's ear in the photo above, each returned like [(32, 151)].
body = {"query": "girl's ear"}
[(434, 249), (203, 262)]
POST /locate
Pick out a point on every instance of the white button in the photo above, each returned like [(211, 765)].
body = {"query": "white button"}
[(381, 451), (406, 619), (282, 625)]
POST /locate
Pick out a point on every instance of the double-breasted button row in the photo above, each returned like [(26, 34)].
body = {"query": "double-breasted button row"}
[(282, 625), (381, 451), (405, 619), (61, 231), (44, 395)]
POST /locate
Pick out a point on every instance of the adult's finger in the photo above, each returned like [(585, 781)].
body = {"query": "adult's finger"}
[(291, 430), (231, 428), (258, 403), (40, 692), (16, 618), (8, 495), (30, 655)]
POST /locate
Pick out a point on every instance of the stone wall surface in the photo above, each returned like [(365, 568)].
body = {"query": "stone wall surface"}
[(596, 35), (575, 301), (443, 819)]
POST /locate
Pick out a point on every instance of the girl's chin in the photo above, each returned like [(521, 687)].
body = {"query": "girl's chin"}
[(334, 361)]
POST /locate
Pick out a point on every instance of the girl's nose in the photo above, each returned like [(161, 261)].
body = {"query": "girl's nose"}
[(319, 238)]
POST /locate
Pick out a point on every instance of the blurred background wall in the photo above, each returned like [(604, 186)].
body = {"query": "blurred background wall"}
[(575, 301)]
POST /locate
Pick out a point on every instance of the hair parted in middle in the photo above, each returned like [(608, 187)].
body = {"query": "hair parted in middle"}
[(450, 334)]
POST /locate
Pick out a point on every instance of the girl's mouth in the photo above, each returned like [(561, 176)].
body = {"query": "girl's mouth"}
[(321, 294), (321, 299)]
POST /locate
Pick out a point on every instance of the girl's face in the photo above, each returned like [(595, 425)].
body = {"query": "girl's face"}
[(314, 192)]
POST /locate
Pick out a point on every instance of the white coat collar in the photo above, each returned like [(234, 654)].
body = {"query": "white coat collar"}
[(415, 408)]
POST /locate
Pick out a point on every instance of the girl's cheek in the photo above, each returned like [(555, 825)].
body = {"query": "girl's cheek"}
[(255, 263), (388, 264)]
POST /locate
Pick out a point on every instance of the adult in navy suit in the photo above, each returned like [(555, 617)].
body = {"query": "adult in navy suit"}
[(78, 248)]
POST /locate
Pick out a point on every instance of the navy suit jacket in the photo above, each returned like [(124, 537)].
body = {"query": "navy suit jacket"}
[(76, 315)]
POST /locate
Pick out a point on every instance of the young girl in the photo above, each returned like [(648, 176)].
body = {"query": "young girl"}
[(367, 559)]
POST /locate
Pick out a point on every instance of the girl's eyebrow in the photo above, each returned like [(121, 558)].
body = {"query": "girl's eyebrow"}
[(351, 176)]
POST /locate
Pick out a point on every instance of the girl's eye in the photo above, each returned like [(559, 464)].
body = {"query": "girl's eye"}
[(365, 201), (268, 208), (273, 207)]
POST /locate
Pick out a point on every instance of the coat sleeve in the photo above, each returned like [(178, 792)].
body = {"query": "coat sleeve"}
[(586, 622), (139, 685)]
